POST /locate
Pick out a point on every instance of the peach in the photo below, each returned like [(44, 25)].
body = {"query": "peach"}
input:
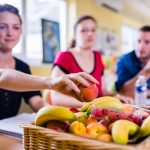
[(105, 137), (88, 93), (90, 119), (95, 129), (128, 109), (77, 128)]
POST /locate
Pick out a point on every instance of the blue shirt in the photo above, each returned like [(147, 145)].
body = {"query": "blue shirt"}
[(127, 67)]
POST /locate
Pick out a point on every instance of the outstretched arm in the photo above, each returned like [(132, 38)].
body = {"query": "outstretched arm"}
[(18, 81)]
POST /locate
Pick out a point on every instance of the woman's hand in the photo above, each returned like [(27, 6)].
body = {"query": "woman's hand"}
[(68, 84)]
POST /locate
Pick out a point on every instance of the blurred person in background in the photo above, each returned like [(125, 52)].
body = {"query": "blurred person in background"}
[(133, 64), (10, 32), (79, 57), (10, 98)]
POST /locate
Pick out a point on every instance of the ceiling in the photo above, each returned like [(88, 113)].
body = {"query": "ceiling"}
[(137, 9)]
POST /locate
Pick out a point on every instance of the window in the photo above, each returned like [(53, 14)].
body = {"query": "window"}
[(46, 9), (32, 11), (128, 37)]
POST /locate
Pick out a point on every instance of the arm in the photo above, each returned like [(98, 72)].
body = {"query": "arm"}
[(129, 86), (66, 84), (105, 92), (18, 81)]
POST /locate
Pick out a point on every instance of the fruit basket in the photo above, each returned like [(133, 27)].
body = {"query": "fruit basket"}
[(40, 138)]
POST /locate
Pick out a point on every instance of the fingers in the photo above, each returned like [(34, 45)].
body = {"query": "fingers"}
[(83, 78), (72, 80), (88, 77), (71, 84), (125, 99)]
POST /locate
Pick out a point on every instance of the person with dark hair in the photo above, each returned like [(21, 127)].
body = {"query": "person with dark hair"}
[(10, 32), (79, 57), (133, 64)]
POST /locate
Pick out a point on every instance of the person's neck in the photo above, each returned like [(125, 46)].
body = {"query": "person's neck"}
[(5, 56), (84, 51), (144, 61)]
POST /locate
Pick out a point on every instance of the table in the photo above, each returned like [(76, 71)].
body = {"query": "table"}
[(7, 143)]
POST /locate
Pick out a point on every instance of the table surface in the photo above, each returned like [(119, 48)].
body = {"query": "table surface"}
[(7, 143)]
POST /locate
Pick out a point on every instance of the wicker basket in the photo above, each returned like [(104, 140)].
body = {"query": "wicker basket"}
[(39, 138)]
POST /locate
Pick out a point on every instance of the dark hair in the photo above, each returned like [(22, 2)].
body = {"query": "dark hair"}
[(78, 21), (11, 9), (145, 28)]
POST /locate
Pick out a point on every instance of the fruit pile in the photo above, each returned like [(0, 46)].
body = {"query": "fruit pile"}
[(104, 118)]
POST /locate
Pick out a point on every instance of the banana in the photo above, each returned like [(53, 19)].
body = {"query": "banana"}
[(109, 104), (121, 129), (104, 99), (144, 130), (48, 113)]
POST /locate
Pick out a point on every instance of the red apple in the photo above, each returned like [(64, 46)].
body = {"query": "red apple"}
[(105, 122), (74, 110), (88, 93), (57, 125), (137, 119)]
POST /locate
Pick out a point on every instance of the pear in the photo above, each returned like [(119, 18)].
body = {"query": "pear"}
[(144, 130), (122, 129), (81, 116)]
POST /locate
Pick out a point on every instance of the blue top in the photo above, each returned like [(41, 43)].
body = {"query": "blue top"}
[(10, 100), (127, 67)]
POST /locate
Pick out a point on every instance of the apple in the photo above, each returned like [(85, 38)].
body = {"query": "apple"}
[(137, 119), (95, 129), (73, 109), (57, 125), (77, 128), (88, 93), (105, 122)]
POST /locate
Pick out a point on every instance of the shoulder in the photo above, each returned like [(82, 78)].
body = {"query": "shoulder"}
[(22, 66), (97, 54), (62, 56), (128, 56), (64, 53), (20, 62)]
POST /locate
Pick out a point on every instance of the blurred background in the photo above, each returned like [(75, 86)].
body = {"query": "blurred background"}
[(118, 23)]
